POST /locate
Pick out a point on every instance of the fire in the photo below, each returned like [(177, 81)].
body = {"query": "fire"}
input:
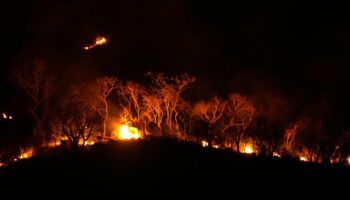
[(348, 160), (248, 149), (86, 143), (275, 154), (2, 164), (98, 42), (303, 158), (6, 116), (26, 154), (125, 132), (204, 143)]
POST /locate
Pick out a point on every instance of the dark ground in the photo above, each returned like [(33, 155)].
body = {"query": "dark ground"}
[(167, 169)]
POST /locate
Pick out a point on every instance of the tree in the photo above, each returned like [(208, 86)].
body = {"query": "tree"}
[(153, 110), (76, 118), (38, 84), (267, 134), (131, 99), (98, 94), (185, 119), (168, 90), (210, 112), (239, 117)]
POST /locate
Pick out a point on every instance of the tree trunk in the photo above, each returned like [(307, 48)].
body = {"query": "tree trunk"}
[(105, 119), (209, 137)]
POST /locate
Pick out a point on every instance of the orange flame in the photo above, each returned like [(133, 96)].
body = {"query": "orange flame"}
[(25, 154), (98, 42), (125, 132), (248, 149), (303, 158), (275, 154)]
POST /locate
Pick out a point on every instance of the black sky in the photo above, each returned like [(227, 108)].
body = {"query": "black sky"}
[(290, 53)]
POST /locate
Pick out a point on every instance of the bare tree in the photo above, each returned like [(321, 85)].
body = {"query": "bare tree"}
[(76, 118), (211, 112), (131, 99), (38, 86), (97, 95), (239, 116), (169, 89), (153, 110)]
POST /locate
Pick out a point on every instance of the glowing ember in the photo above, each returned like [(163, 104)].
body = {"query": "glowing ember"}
[(204, 143), (98, 42), (275, 154), (4, 116), (216, 146), (125, 132), (348, 160), (2, 164), (303, 158), (10, 117), (248, 149)]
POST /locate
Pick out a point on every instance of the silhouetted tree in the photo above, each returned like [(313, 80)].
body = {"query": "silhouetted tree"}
[(76, 118), (38, 84), (210, 112), (97, 95), (239, 115)]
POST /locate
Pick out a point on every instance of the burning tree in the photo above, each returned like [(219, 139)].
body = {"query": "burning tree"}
[(153, 112), (37, 83), (169, 90), (239, 117), (97, 96), (210, 112), (131, 99)]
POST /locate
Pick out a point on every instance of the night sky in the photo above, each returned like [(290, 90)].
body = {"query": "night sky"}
[(292, 58)]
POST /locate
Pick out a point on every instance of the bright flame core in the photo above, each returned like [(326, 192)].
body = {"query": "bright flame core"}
[(248, 149), (303, 158), (125, 132), (275, 154), (204, 143), (26, 154)]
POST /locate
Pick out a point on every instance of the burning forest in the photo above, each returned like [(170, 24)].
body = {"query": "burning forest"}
[(108, 108), (199, 89)]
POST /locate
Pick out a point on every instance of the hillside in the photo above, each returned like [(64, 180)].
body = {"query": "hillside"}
[(154, 166)]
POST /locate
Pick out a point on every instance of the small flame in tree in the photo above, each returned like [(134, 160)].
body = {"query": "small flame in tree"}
[(99, 41)]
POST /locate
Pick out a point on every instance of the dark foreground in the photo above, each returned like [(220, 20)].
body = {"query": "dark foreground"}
[(169, 169)]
